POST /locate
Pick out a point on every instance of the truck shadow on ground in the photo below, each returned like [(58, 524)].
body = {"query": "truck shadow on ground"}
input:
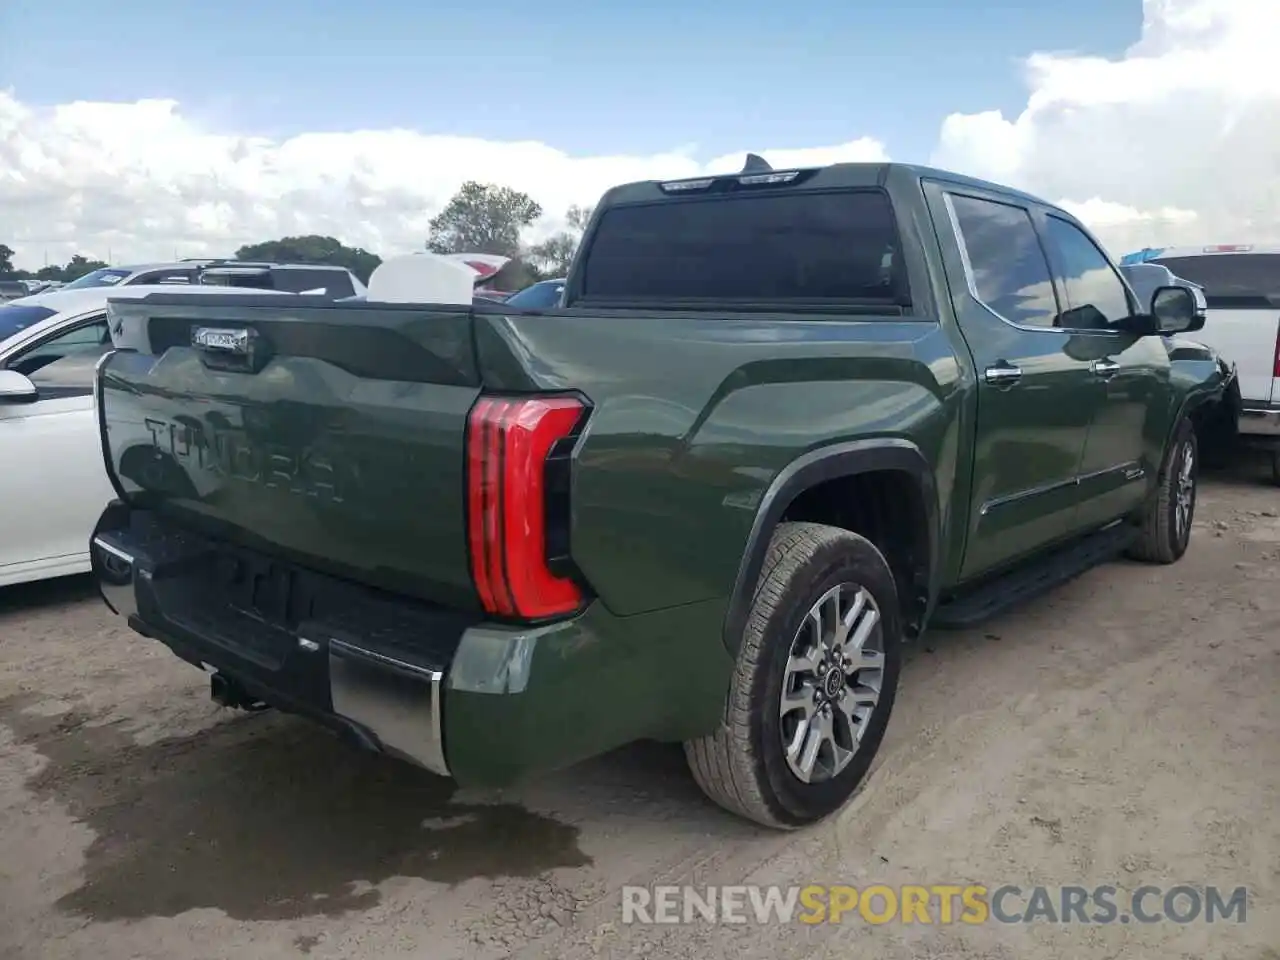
[(1245, 467), (265, 818), (25, 597)]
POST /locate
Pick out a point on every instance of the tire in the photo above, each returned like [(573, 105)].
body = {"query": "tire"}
[(744, 765), (1162, 538)]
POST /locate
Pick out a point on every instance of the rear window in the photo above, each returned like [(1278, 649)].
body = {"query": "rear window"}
[(762, 249), (18, 317), (1232, 279)]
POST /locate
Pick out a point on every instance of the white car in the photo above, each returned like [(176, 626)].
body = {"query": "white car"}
[(315, 278), (53, 482)]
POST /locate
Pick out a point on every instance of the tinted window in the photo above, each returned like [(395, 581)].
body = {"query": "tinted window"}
[(779, 247), (1232, 279), (334, 283), (255, 279), (1096, 295), (18, 317), (74, 371), (540, 296), (162, 276), (88, 341), (1009, 267)]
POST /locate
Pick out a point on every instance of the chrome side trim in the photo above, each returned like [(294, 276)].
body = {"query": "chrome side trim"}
[(398, 702), (1132, 471), (1011, 498)]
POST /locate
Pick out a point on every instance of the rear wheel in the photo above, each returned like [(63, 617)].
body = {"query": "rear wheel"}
[(1165, 529), (815, 682)]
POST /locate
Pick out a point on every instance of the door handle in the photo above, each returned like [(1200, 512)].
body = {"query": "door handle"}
[(1003, 374), (1105, 367)]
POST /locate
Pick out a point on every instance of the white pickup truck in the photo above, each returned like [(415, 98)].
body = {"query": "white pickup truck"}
[(1241, 283)]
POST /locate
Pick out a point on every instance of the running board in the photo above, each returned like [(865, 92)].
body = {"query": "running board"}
[(1033, 579)]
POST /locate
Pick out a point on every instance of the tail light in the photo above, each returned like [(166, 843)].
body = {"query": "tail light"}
[(1275, 362), (518, 504)]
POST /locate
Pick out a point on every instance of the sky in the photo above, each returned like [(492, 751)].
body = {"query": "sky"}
[(139, 130)]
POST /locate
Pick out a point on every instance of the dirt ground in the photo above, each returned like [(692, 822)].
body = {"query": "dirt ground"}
[(1124, 730)]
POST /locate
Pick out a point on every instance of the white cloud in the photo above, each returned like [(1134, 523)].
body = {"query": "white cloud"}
[(1178, 141), (138, 181)]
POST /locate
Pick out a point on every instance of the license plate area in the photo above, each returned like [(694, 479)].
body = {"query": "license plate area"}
[(275, 615), (250, 604), (263, 589)]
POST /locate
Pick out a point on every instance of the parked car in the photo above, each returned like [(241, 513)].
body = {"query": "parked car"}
[(488, 268), (1241, 283), (286, 277), (13, 290), (52, 486), (783, 422), (1216, 424), (538, 296)]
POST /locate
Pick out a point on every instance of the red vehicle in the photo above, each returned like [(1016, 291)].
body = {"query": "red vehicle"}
[(487, 266)]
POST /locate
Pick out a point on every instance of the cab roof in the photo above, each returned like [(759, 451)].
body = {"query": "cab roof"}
[(835, 175)]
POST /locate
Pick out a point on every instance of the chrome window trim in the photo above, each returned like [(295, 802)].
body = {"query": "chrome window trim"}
[(972, 286)]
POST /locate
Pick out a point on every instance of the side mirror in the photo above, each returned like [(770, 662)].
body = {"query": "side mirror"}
[(17, 388), (1176, 310)]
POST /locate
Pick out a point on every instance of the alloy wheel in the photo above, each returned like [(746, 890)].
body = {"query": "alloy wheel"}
[(832, 683), (1184, 493)]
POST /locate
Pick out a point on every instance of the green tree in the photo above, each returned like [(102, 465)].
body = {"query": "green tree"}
[(313, 249), (6, 261), (553, 256), (78, 266), (578, 217), (483, 218)]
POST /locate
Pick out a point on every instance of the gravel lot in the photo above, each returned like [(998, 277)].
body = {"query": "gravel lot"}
[(1125, 729)]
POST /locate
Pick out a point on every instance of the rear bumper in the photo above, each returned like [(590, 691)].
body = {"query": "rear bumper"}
[(371, 689), (1260, 422), (486, 704)]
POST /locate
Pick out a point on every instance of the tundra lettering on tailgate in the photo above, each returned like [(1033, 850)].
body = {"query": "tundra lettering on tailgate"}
[(230, 453)]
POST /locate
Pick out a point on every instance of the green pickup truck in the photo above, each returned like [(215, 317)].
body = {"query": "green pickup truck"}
[(782, 422)]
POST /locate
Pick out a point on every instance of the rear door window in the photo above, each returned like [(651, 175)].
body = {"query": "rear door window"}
[(334, 283), (163, 276), (1008, 266), (784, 247), (1232, 280)]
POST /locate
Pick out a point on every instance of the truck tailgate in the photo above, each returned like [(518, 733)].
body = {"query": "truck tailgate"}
[(316, 430), (1247, 337)]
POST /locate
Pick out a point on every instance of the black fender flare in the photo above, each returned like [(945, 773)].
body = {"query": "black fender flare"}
[(1193, 401), (818, 466)]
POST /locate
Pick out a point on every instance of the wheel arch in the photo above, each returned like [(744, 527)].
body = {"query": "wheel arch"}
[(832, 463), (1190, 408)]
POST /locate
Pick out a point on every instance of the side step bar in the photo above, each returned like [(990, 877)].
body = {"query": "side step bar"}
[(1031, 580)]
